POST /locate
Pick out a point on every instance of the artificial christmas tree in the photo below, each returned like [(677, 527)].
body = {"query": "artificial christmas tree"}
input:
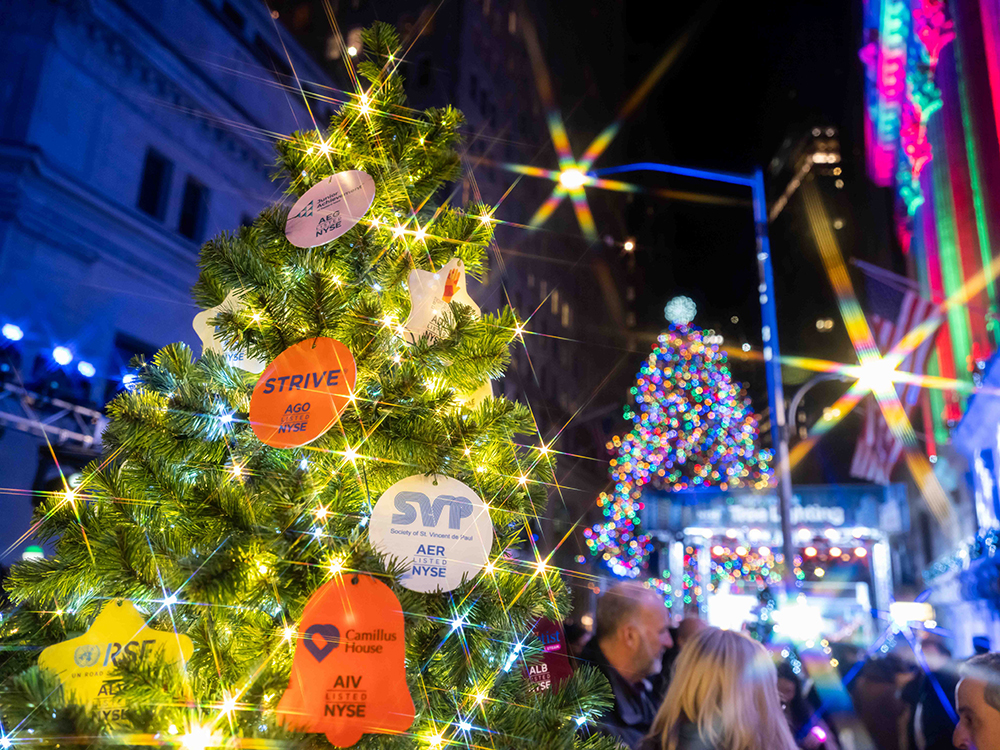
[(196, 518), (692, 427)]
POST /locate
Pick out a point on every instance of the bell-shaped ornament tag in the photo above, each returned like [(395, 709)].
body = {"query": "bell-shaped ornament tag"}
[(348, 672)]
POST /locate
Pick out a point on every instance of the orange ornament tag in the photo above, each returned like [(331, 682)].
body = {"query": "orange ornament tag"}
[(302, 392), (348, 672)]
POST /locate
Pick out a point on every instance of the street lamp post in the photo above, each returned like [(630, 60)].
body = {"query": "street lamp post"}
[(769, 329), (793, 405)]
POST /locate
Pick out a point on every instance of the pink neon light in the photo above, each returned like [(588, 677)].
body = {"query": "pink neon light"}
[(932, 27), (913, 139), (818, 732)]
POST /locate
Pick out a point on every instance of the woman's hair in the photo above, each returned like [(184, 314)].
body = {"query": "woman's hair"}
[(798, 707), (725, 684)]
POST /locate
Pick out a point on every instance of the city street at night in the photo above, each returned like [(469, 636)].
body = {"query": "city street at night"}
[(500, 375)]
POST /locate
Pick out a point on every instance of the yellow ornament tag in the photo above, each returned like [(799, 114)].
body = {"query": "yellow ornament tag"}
[(84, 664)]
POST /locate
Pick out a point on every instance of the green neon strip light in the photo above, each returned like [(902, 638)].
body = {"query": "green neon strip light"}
[(951, 267), (933, 365), (976, 177)]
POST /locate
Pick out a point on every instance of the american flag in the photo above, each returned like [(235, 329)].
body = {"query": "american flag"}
[(894, 309)]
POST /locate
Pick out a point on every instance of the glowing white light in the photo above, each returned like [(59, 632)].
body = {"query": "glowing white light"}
[(629, 246), (398, 231), (465, 726), (304, 464), (680, 310), (540, 566), (518, 329), (800, 621), (876, 375), (485, 218), (12, 333), (321, 512), (364, 105), (336, 566), (457, 623), (62, 355), (581, 720), (543, 449), (86, 369), (746, 347), (226, 418), (324, 147), (130, 380), (572, 179), (421, 234), (350, 454), (197, 738), (237, 471), (352, 51), (522, 479), (170, 600), (288, 633)]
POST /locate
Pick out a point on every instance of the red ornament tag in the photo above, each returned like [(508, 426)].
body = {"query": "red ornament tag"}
[(554, 666), (302, 392), (348, 673)]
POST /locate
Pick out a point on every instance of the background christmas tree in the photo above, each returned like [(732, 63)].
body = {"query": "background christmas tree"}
[(693, 427), (214, 534)]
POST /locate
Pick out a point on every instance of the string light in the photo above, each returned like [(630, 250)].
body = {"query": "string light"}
[(198, 738)]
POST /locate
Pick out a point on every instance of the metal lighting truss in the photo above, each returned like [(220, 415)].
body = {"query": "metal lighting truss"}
[(60, 422)]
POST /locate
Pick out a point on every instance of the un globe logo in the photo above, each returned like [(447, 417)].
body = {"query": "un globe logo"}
[(87, 656)]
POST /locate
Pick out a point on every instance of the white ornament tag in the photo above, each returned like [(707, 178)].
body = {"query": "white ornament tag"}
[(437, 526), (430, 293), (209, 343), (329, 208)]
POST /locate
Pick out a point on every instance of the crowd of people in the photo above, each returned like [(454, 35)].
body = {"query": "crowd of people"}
[(696, 687)]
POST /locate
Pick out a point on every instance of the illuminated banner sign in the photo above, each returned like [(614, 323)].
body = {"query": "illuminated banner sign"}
[(838, 505)]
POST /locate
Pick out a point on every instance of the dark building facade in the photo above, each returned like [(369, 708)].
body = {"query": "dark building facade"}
[(129, 133)]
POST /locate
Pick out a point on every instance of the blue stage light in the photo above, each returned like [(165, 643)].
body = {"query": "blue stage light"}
[(12, 332), (62, 355)]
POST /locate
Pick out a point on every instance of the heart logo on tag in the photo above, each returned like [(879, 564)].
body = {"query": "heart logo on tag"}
[(331, 639)]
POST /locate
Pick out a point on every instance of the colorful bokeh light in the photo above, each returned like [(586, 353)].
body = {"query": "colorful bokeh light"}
[(692, 427)]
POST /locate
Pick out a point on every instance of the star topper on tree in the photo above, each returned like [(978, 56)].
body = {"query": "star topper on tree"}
[(692, 427)]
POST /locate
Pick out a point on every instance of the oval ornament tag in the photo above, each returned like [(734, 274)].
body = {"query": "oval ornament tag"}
[(301, 393), (329, 208)]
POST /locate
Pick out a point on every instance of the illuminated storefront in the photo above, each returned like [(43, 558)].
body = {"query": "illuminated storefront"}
[(721, 551)]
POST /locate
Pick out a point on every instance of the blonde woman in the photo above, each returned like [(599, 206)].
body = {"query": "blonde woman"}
[(723, 696)]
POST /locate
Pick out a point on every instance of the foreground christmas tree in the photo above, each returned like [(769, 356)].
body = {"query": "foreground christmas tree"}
[(223, 544), (693, 427)]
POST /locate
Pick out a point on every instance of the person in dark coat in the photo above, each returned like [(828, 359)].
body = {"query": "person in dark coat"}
[(931, 697), (631, 634)]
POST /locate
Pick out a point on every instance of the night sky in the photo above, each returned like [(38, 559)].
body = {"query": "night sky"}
[(749, 77)]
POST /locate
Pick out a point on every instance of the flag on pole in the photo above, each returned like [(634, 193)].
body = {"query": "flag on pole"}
[(894, 309)]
